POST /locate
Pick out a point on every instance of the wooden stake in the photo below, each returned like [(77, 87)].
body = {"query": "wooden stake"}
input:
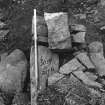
[(34, 65)]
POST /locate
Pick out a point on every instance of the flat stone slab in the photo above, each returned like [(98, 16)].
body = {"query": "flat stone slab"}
[(71, 66), (79, 37), (54, 78), (91, 76), (78, 27), (83, 57)]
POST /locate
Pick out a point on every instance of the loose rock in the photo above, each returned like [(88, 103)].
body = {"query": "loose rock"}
[(78, 27), (79, 37), (83, 57), (71, 66), (97, 57), (13, 70), (91, 76), (2, 24)]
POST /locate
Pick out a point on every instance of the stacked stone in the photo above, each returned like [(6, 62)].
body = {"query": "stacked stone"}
[(77, 29)]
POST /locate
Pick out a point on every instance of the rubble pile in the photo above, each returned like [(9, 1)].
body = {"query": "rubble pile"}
[(71, 61)]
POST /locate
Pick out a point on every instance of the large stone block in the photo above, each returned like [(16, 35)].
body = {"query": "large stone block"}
[(13, 69), (58, 30), (48, 64)]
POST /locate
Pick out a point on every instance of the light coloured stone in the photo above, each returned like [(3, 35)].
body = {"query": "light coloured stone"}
[(79, 37), (2, 24), (78, 27), (58, 30), (13, 69), (48, 64), (87, 81), (54, 78), (83, 57), (71, 66), (91, 76), (97, 57)]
